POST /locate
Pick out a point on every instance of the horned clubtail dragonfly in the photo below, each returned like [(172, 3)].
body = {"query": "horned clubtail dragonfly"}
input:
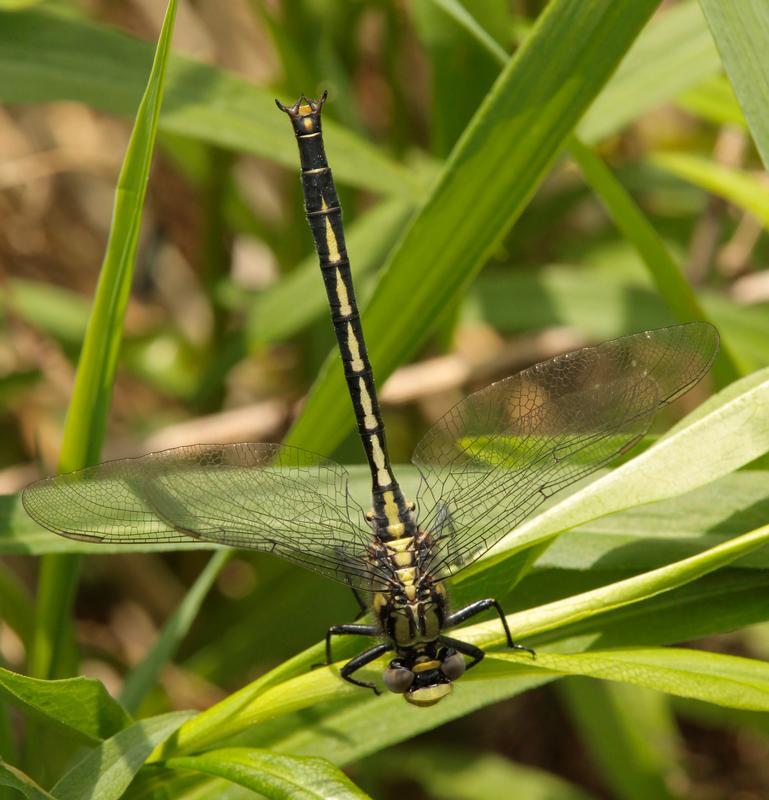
[(485, 466)]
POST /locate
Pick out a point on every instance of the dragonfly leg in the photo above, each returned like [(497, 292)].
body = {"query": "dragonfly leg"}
[(458, 617), (465, 648), (360, 601), (348, 630), (366, 657)]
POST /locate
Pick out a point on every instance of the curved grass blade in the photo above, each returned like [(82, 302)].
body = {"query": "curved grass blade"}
[(273, 774), (741, 32), (89, 406), (142, 678), (712, 677), (490, 176), (48, 57), (16, 779)]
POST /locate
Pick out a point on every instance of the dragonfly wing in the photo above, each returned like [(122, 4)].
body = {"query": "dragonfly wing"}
[(256, 496), (496, 456)]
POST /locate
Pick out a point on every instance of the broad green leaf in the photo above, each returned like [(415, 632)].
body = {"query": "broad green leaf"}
[(46, 57), (737, 186), (629, 734), (89, 406), (713, 677), (274, 775), (106, 771), (482, 189), (141, 679), (80, 705), (16, 779), (741, 32)]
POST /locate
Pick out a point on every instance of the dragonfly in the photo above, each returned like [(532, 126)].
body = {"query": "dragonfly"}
[(484, 467)]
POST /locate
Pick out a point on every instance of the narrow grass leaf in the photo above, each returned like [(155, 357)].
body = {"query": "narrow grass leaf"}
[(625, 592), (106, 772), (46, 57), (274, 775), (741, 32), (743, 189), (89, 406), (715, 678), (16, 779), (142, 678), (636, 228), (483, 188), (82, 706)]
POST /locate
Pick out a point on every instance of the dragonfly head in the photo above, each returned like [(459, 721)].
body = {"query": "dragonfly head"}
[(426, 681)]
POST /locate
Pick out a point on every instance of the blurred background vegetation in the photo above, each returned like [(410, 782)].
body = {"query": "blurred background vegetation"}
[(227, 327)]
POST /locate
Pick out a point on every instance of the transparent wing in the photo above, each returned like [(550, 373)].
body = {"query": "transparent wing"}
[(497, 455), (257, 496)]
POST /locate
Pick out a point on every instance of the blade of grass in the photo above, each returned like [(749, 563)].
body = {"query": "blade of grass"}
[(482, 189), (47, 57), (274, 775), (16, 779), (89, 406), (741, 33), (665, 272), (715, 678), (142, 678)]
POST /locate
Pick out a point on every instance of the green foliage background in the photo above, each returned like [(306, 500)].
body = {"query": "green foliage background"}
[(515, 175)]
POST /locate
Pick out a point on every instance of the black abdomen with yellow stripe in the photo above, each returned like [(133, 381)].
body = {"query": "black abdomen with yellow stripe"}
[(392, 515)]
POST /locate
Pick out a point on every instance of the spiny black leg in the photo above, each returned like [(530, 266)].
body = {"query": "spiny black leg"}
[(348, 630), (458, 617), (366, 657), (465, 648)]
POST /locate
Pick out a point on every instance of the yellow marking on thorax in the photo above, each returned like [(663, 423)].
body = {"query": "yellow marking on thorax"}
[(369, 419), (345, 309), (406, 575), (384, 478), (356, 362), (411, 591)]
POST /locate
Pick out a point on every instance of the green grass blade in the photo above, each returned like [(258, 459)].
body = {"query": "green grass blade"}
[(493, 171), (636, 228), (722, 680), (741, 32), (274, 775), (628, 218), (142, 678), (81, 707), (106, 772), (89, 406), (46, 57), (742, 188)]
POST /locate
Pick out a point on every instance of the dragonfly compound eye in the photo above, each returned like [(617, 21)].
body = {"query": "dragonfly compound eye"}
[(398, 679), (453, 666)]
